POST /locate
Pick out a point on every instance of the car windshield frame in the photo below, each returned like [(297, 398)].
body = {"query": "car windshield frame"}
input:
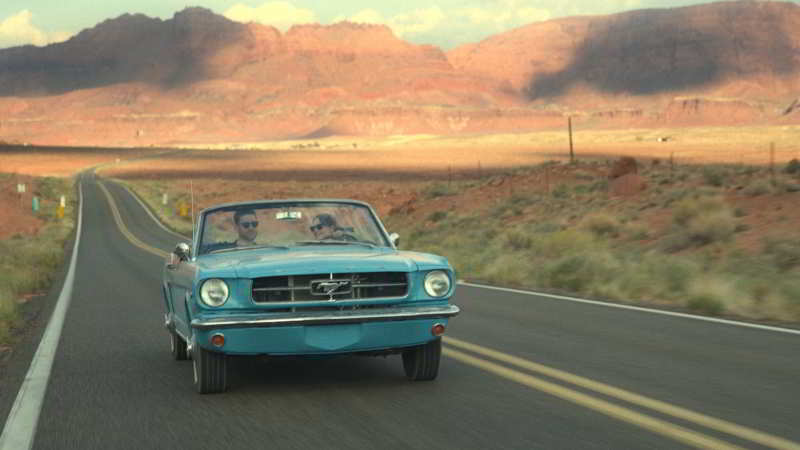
[(290, 203)]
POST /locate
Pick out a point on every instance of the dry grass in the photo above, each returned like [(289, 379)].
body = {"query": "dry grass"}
[(28, 263), (502, 218)]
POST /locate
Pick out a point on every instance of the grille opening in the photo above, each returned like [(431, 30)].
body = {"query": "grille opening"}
[(339, 286)]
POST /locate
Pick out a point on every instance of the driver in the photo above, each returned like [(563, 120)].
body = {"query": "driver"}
[(324, 226), (247, 226)]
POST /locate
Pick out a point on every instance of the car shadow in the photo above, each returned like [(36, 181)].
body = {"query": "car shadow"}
[(297, 373)]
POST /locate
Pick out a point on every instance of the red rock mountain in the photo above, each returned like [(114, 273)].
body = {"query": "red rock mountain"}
[(200, 77)]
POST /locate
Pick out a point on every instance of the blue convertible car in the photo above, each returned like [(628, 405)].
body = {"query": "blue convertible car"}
[(302, 277)]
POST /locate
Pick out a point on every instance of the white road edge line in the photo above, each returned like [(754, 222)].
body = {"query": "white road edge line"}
[(20, 428), (149, 213), (634, 308)]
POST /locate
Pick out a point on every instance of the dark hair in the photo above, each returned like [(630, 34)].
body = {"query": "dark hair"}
[(327, 220), (242, 212)]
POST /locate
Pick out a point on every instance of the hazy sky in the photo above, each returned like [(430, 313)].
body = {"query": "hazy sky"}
[(445, 23)]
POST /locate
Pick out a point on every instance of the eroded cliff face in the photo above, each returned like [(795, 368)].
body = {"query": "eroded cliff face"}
[(732, 49), (200, 77)]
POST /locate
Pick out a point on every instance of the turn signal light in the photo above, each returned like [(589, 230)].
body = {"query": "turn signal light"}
[(437, 330), (217, 340)]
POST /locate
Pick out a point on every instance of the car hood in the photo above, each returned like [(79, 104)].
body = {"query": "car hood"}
[(307, 260)]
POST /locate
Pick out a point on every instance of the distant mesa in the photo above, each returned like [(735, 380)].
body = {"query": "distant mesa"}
[(129, 80)]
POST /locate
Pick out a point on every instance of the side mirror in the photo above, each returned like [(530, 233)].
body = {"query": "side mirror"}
[(395, 238), (182, 251)]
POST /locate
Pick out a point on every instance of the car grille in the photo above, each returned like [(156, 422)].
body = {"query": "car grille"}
[(331, 286)]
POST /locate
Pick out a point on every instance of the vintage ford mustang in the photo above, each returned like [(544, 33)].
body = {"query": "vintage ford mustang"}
[(302, 278)]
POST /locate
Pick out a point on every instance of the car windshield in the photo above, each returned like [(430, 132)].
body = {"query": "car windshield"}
[(284, 225)]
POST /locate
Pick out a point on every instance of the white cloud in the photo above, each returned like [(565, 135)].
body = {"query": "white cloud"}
[(433, 24), (365, 16), (418, 21), (19, 30), (281, 15), (413, 22), (503, 15)]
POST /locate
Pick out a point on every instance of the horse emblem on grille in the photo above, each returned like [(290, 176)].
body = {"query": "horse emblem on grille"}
[(331, 287)]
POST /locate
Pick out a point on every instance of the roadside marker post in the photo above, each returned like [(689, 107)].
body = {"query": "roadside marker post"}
[(21, 190), (61, 206), (164, 199)]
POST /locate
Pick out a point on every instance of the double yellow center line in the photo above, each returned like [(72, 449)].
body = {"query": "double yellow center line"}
[(490, 361), (655, 425), (124, 230)]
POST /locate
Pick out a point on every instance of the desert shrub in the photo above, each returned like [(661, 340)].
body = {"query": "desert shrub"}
[(717, 226), (51, 187), (8, 314), (546, 227), (790, 187), (506, 270), (705, 303), (758, 187), (518, 199), (560, 191), (517, 240), (589, 272), (677, 274), (675, 195), (713, 176), (601, 224), (571, 273), (785, 253), (675, 241), (689, 208), (556, 244), (437, 216), (792, 167), (637, 232), (739, 212), (438, 190), (791, 296)]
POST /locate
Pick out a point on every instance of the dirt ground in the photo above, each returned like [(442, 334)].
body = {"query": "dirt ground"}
[(386, 172), (22, 165)]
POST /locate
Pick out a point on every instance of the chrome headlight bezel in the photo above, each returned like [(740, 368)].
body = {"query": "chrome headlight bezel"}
[(437, 283), (214, 292)]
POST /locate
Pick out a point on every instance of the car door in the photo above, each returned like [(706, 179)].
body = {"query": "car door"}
[(179, 284)]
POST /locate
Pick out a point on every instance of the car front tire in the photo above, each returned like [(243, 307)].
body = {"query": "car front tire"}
[(178, 347), (210, 371), (421, 363)]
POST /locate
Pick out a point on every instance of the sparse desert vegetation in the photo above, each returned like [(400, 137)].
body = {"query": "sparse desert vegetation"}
[(687, 241), (713, 239), (30, 257)]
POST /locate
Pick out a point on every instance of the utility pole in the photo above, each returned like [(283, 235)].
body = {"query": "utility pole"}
[(571, 150)]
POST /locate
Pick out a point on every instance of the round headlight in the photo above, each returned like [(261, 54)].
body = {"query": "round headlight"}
[(437, 283), (214, 292)]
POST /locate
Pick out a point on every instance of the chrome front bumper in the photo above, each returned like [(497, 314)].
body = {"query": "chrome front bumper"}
[(325, 317)]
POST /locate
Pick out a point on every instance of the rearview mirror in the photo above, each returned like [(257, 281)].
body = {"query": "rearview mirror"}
[(395, 238), (182, 251)]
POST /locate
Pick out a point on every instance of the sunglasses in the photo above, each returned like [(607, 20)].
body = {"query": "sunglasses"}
[(317, 227), (253, 224)]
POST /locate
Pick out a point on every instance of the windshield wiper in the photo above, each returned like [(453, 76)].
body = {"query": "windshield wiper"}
[(336, 242)]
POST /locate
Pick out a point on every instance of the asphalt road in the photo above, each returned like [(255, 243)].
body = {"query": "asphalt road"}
[(114, 384)]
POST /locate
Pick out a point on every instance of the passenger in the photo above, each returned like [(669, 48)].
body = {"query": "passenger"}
[(324, 226), (247, 227)]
